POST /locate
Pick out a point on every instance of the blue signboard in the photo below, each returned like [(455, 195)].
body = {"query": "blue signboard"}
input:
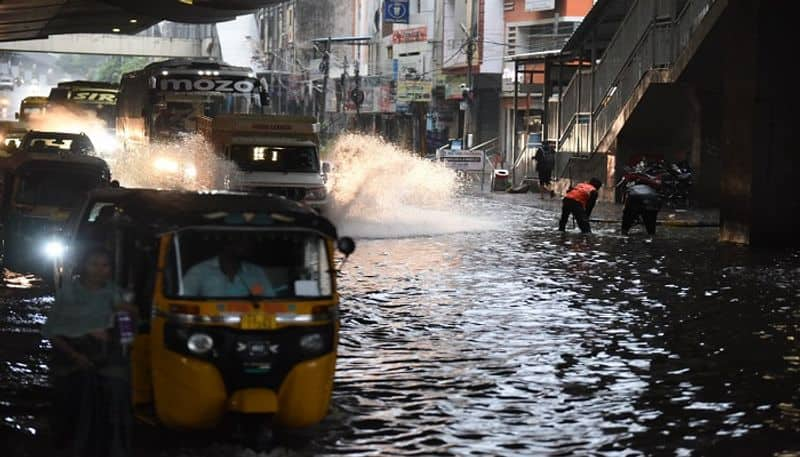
[(395, 11)]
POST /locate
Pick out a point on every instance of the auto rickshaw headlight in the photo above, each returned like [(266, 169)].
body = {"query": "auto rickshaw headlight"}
[(54, 249), (200, 343), (312, 343)]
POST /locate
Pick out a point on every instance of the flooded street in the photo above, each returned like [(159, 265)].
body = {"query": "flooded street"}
[(515, 339)]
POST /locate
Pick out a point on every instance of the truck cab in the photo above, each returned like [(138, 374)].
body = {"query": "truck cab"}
[(278, 155)]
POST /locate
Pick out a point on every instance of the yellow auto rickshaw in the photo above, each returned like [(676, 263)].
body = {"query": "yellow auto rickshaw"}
[(260, 343)]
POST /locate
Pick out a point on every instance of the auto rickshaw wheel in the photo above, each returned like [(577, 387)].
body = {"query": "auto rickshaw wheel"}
[(257, 432)]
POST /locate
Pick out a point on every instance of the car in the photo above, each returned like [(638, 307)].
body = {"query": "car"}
[(38, 142), (6, 82)]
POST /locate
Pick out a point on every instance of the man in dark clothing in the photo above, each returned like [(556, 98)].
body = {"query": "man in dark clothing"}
[(545, 162), (579, 202), (641, 200)]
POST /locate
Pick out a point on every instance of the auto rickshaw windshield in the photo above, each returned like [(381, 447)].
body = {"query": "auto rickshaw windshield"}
[(229, 263)]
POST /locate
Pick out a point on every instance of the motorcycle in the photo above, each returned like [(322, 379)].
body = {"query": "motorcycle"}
[(673, 182)]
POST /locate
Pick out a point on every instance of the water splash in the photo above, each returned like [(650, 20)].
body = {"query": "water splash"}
[(61, 119), (382, 191), (188, 163)]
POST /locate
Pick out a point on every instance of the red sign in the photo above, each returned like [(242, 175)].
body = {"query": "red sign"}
[(410, 35)]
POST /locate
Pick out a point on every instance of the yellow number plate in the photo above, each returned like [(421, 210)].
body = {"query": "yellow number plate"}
[(257, 321)]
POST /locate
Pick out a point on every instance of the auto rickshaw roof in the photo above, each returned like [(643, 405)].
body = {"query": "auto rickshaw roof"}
[(22, 160), (57, 135), (171, 210)]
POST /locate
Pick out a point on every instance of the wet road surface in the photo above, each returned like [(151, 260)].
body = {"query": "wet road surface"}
[(523, 341)]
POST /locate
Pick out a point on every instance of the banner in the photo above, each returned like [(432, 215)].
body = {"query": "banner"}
[(395, 11), (540, 5), (410, 35), (411, 68), (413, 91)]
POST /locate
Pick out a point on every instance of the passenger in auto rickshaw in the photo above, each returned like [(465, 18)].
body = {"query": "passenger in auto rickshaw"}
[(90, 369)]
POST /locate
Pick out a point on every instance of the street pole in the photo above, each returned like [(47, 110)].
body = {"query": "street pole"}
[(326, 67), (472, 36), (468, 96)]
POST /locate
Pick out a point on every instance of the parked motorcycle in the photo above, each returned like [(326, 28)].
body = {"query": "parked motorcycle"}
[(673, 182)]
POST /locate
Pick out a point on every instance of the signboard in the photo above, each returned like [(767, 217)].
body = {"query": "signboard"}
[(377, 96), (414, 91), (91, 96), (463, 160), (395, 11), (411, 68), (452, 87), (410, 35), (186, 83), (540, 5)]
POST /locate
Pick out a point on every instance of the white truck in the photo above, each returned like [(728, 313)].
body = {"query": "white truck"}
[(274, 154)]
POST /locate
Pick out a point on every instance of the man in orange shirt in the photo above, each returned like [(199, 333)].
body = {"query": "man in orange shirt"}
[(579, 202)]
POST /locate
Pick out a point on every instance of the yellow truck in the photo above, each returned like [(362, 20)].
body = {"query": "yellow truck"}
[(31, 108), (278, 155)]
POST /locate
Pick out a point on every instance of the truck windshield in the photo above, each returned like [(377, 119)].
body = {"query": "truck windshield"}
[(275, 158), (180, 114), (55, 187), (230, 263)]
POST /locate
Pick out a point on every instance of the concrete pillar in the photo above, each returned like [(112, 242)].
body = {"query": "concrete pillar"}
[(760, 166)]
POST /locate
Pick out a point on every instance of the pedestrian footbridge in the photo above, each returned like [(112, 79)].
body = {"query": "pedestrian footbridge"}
[(118, 27), (697, 80)]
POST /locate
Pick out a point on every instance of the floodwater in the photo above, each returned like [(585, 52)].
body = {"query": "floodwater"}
[(470, 326), (519, 340)]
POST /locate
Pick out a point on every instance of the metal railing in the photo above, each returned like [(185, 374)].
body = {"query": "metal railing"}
[(652, 36)]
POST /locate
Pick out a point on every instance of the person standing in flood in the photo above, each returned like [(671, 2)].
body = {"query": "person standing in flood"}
[(545, 162), (579, 202), (89, 367)]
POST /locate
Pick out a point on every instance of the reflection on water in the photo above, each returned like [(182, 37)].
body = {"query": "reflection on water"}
[(524, 341)]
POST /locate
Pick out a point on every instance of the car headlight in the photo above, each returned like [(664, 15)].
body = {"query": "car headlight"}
[(316, 193), (54, 249), (200, 343), (190, 172), (167, 165), (312, 343)]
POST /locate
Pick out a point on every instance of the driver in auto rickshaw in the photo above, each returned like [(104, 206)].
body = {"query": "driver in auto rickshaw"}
[(227, 275)]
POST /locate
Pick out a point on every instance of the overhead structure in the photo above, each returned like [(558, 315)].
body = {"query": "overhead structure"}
[(36, 19)]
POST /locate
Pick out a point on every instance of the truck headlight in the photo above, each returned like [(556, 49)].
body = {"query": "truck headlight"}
[(199, 343), (316, 193), (312, 343)]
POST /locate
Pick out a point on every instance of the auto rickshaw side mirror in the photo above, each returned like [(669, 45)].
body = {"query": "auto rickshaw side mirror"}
[(346, 245), (114, 184)]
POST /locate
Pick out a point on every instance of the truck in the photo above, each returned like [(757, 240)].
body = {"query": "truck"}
[(79, 97), (274, 154), (162, 101), (32, 107)]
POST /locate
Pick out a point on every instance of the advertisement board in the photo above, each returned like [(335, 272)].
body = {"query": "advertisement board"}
[(463, 160), (414, 91), (410, 35)]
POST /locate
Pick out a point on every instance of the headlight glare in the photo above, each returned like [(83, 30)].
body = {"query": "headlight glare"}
[(54, 249), (200, 343)]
